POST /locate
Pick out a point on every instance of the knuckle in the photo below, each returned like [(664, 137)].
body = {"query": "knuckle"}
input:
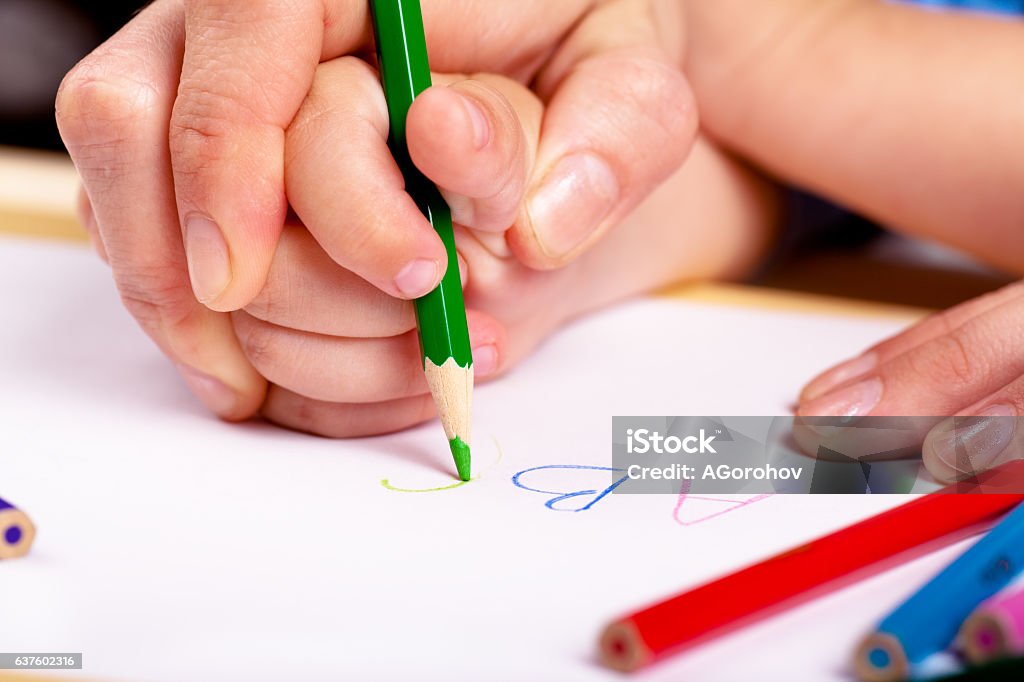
[(663, 94), (215, 100), (263, 306), (931, 326), (345, 89), (98, 105), (357, 81), (275, 299), (158, 297), (648, 109), (951, 364), (364, 233), (306, 416), (313, 124), (216, 87), (257, 338), (199, 130), (292, 410)]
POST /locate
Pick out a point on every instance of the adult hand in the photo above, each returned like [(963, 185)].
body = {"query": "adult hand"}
[(177, 126), (965, 364)]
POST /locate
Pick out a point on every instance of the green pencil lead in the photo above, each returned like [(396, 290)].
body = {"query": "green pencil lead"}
[(460, 451)]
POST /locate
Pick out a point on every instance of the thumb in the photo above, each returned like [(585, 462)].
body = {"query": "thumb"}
[(620, 119)]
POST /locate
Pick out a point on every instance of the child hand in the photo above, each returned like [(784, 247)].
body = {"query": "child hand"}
[(340, 354), (966, 361), (177, 126)]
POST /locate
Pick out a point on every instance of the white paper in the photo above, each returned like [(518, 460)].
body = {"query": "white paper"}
[(175, 547)]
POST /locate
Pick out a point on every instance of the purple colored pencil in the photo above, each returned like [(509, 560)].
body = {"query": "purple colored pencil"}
[(16, 531)]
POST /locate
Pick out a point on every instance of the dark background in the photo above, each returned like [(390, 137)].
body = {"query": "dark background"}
[(39, 41)]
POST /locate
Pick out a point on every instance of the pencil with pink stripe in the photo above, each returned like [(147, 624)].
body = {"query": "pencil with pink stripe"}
[(996, 628)]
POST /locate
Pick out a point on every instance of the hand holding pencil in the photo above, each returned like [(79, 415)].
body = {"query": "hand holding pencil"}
[(200, 228)]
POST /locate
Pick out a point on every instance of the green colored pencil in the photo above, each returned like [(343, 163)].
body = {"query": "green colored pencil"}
[(441, 314)]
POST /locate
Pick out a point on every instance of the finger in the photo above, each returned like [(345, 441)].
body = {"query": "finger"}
[(964, 446), (620, 119), (307, 291), (87, 218), (113, 111), (882, 439), (346, 188), (476, 139), (350, 370), (345, 420), (982, 436), (246, 68), (941, 376), (931, 327)]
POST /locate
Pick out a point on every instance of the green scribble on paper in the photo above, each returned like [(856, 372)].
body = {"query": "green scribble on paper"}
[(387, 482), (384, 482)]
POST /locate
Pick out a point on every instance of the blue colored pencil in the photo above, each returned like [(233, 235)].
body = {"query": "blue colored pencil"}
[(928, 621)]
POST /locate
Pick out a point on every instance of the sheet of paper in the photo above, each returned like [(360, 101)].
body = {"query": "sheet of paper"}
[(175, 547)]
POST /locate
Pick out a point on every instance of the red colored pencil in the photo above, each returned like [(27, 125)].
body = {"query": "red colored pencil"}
[(810, 570)]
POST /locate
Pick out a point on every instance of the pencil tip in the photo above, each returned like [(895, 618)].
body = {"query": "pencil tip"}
[(460, 451)]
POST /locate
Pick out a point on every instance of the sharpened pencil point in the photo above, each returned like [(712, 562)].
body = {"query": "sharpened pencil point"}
[(460, 451)]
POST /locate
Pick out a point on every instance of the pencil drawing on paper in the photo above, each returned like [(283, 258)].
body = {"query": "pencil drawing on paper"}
[(386, 483), (566, 500), (689, 510)]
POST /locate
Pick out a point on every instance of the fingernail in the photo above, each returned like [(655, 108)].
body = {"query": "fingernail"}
[(840, 374), (970, 445), (477, 117), (576, 197), (217, 397), (418, 278), (209, 264), (852, 401), (485, 361)]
